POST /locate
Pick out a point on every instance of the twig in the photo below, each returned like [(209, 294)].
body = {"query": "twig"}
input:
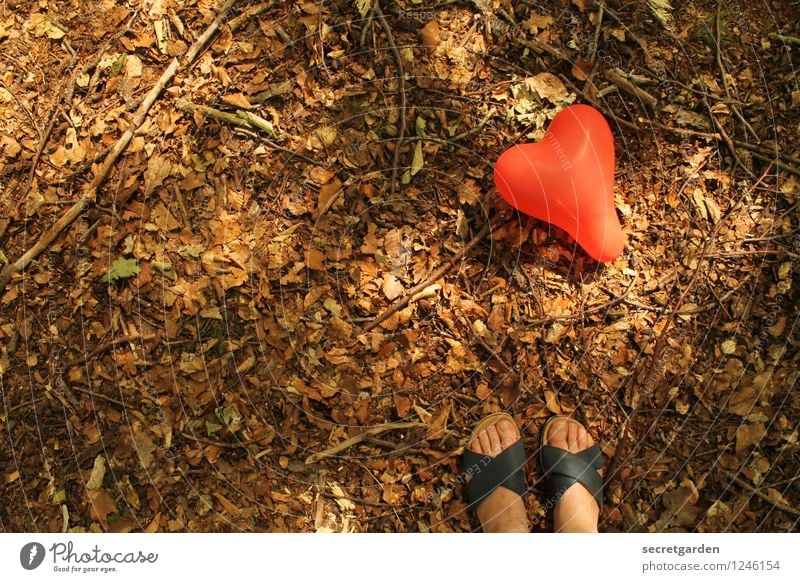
[(280, 148), (182, 206), (727, 295), (368, 19), (397, 447), (726, 138), (585, 312), (535, 45), (68, 98), (596, 40), (237, 119), (628, 32), (355, 500), (764, 496), (354, 440), (435, 276), (767, 152), (90, 194), (784, 38), (401, 73), (236, 23), (95, 394), (624, 84), (23, 107), (105, 347), (736, 112), (506, 368), (211, 442), (778, 163)]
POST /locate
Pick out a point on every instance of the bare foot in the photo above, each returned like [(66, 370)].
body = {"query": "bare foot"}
[(502, 510), (577, 510)]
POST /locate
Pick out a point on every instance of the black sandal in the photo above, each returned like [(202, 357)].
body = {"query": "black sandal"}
[(563, 469), (489, 473)]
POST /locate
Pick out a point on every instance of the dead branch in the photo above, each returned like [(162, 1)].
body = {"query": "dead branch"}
[(764, 496), (237, 118), (236, 23), (435, 276), (768, 152), (280, 148), (731, 104), (105, 347), (90, 193), (402, 79), (354, 440), (784, 38), (624, 84)]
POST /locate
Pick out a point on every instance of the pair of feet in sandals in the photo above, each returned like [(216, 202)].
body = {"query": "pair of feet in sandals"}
[(493, 463)]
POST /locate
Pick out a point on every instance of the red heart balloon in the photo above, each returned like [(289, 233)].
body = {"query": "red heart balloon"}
[(567, 179)]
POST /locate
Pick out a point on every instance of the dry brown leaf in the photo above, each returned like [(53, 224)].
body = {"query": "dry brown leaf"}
[(158, 168), (438, 422), (743, 400), (237, 100), (430, 35), (145, 448), (548, 86), (551, 400), (393, 493), (101, 506), (392, 288), (315, 260), (402, 404), (748, 435)]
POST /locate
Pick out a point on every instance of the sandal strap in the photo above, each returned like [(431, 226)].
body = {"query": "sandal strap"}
[(489, 473), (563, 469)]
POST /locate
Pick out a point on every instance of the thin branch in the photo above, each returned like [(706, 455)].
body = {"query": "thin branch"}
[(401, 74), (717, 42), (236, 23), (784, 38), (354, 440), (435, 276), (765, 497)]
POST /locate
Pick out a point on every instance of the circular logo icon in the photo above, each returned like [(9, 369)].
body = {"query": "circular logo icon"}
[(31, 555)]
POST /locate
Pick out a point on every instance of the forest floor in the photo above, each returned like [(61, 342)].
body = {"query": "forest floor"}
[(260, 320)]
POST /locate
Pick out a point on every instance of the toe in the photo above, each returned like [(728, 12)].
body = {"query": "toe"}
[(583, 439), (557, 437), (494, 440), (572, 438), (508, 433), (486, 445), (475, 445)]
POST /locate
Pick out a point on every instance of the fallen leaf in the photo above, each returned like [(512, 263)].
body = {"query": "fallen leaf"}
[(549, 87), (438, 422), (392, 288), (552, 402), (430, 35), (315, 260), (393, 493), (95, 481), (237, 100), (145, 448), (158, 168), (748, 435), (101, 506)]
